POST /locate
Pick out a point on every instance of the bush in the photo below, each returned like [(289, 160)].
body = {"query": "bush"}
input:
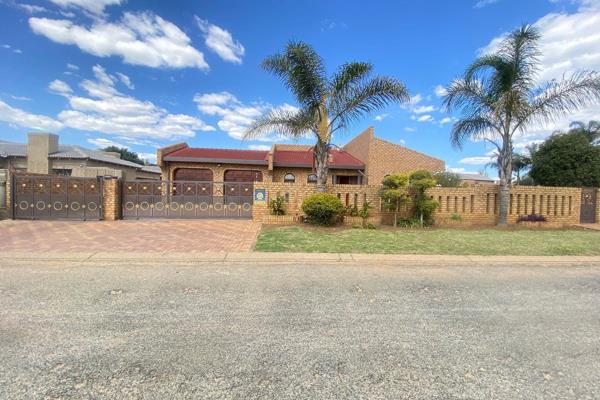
[(323, 209), (531, 218), (277, 206), (447, 179)]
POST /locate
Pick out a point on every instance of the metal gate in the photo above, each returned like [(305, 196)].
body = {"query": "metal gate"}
[(588, 206), (187, 199), (56, 197)]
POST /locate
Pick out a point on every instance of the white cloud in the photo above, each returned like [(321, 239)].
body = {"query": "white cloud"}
[(425, 118), (409, 129), (72, 67), (235, 116), (95, 7), (476, 160), (125, 80), (33, 9), (424, 109), (262, 147), (18, 117), (381, 117), (9, 47), (149, 157), (221, 42), (21, 98), (440, 91), (60, 87), (140, 39), (483, 3), (109, 111), (103, 142), (445, 120)]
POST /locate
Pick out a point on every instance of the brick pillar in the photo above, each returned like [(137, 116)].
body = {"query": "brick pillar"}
[(111, 202)]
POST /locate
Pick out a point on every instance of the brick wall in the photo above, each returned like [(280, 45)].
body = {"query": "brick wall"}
[(111, 203), (465, 206)]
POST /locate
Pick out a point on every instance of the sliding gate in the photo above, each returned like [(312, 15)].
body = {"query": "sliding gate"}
[(56, 197), (186, 199)]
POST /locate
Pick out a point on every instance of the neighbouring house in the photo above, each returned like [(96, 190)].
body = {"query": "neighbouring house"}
[(366, 159), (44, 155), (475, 179)]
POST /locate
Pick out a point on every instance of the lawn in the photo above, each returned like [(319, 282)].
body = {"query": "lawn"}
[(429, 241)]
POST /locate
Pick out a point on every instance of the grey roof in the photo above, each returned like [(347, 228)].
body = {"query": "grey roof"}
[(475, 177), (12, 149), (151, 168)]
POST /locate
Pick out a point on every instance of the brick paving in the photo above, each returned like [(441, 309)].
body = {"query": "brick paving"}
[(193, 236)]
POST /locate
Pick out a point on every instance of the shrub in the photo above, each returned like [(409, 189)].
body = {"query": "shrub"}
[(447, 179), (277, 206), (323, 209), (531, 218)]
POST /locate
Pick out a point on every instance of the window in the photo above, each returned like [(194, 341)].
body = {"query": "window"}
[(312, 178), (193, 174), (346, 180), (62, 172), (242, 175), (289, 178)]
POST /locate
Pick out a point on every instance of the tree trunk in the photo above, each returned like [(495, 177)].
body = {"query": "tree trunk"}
[(505, 164), (322, 165)]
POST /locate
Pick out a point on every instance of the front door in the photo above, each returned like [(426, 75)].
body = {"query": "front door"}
[(588, 205)]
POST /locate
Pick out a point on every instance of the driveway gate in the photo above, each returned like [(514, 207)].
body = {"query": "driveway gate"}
[(588, 205), (56, 197), (186, 199)]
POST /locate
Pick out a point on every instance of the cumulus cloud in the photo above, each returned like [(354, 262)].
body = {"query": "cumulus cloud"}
[(235, 116), (262, 147), (103, 142), (125, 80), (105, 109), (477, 160), (95, 7), (424, 109), (139, 38), (440, 91), (221, 42), (32, 8), (148, 157), (381, 117), (484, 3), (60, 87), (424, 118), (18, 117)]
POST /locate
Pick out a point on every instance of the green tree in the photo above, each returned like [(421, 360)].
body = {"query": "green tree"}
[(520, 163), (125, 154), (591, 130), (498, 97), (327, 104), (424, 206), (394, 193), (566, 159), (447, 179)]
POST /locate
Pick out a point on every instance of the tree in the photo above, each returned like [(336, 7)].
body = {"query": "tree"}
[(327, 104), (447, 179), (498, 97), (394, 193), (125, 154), (519, 164), (566, 159), (424, 206), (591, 130)]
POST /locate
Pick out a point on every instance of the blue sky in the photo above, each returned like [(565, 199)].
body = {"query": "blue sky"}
[(143, 74)]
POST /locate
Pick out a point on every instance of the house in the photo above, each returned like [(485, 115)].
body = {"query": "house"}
[(475, 179), (366, 159), (44, 155)]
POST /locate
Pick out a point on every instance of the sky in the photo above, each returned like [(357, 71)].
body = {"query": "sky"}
[(145, 74)]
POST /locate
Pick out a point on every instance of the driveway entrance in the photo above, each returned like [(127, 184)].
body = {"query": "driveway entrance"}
[(128, 236)]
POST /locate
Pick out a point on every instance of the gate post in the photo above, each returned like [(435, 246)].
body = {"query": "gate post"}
[(111, 198)]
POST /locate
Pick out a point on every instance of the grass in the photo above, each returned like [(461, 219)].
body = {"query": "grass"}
[(430, 241)]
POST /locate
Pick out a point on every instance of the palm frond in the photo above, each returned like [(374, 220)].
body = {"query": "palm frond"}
[(559, 98), (468, 95), (302, 70), (290, 123), (363, 98), (474, 127), (348, 75)]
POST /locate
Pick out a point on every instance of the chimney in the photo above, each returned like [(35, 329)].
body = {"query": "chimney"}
[(39, 146)]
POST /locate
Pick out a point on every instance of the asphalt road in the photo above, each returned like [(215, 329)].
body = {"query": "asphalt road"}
[(299, 332)]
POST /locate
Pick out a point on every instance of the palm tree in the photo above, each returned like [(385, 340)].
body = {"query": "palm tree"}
[(498, 97), (327, 104), (520, 162), (591, 130)]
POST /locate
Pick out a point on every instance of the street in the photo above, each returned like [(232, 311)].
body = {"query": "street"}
[(294, 331)]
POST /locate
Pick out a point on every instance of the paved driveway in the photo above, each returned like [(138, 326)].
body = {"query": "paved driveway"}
[(308, 331), (128, 236)]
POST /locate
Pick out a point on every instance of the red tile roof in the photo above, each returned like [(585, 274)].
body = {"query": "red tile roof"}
[(218, 155), (303, 158), (282, 158)]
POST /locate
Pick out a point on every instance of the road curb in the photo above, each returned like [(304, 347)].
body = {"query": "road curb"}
[(287, 258)]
